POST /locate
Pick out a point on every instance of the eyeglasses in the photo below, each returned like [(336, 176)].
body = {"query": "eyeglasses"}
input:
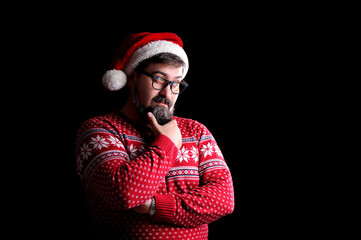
[(161, 83)]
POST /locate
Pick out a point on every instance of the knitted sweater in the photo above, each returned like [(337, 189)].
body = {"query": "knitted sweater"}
[(121, 166)]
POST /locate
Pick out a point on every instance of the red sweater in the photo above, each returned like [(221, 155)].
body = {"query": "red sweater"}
[(122, 167)]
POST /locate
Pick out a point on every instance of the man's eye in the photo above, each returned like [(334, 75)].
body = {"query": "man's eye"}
[(159, 79)]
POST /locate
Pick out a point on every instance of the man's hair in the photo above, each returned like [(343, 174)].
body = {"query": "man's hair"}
[(167, 58)]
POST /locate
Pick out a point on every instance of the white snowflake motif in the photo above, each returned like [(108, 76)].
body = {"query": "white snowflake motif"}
[(79, 165), (194, 153), (115, 141), (207, 149), (85, 151), (133, 151), (98, 142), (183, 155), (217, 150)]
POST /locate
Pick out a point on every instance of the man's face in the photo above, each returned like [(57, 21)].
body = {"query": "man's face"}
[(159, 102)]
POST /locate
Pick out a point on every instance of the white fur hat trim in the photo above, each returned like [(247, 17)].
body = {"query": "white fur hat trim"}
[(153, 48)]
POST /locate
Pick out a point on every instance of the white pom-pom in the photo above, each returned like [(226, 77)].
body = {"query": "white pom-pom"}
[(114, 80)]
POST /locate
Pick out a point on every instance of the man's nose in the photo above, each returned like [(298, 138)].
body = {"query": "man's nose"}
[(166, 92)]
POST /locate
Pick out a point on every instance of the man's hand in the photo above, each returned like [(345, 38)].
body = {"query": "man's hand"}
[(144, 208), (170, 130)]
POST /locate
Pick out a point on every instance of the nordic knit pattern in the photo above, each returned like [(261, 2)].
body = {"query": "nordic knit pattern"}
[(121, 168)]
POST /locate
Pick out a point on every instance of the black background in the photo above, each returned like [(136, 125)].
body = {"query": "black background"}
[(245, 83)]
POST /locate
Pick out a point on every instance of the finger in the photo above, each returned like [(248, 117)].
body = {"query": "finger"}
[(152, 120), (173, 123)]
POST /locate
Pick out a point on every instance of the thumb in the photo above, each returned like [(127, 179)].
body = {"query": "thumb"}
[(152, 120)]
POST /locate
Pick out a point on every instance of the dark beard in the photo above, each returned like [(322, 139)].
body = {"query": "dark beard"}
[(162, 114)]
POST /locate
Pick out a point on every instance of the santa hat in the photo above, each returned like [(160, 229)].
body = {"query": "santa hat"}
[(135, 49)]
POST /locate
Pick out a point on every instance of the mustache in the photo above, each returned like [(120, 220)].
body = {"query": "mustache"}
[(161, 99)]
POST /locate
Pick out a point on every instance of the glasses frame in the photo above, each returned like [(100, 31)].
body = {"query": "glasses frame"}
[(182, 82)]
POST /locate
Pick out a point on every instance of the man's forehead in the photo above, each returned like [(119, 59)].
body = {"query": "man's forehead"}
[(165, 69)]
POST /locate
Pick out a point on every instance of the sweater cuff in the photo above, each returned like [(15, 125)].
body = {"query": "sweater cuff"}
[(165, 208), (167, 145)]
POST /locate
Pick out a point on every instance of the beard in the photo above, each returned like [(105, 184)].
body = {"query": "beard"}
[(162, 114)]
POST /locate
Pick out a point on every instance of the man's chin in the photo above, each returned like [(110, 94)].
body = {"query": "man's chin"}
[(162, 114)]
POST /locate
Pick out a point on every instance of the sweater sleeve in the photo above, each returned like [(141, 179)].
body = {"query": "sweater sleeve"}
[(110, 170), (212, 199)]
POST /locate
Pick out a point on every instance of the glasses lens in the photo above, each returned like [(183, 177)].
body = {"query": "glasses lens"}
[(160, 83), (178, 87)]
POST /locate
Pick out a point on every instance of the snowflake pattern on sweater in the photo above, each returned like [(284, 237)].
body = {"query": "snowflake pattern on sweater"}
[(121, 168)]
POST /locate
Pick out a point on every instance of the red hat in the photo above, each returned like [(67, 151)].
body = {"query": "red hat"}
[(135, 49)]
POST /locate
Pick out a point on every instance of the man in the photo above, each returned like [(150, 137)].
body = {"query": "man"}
[(148, 174)]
